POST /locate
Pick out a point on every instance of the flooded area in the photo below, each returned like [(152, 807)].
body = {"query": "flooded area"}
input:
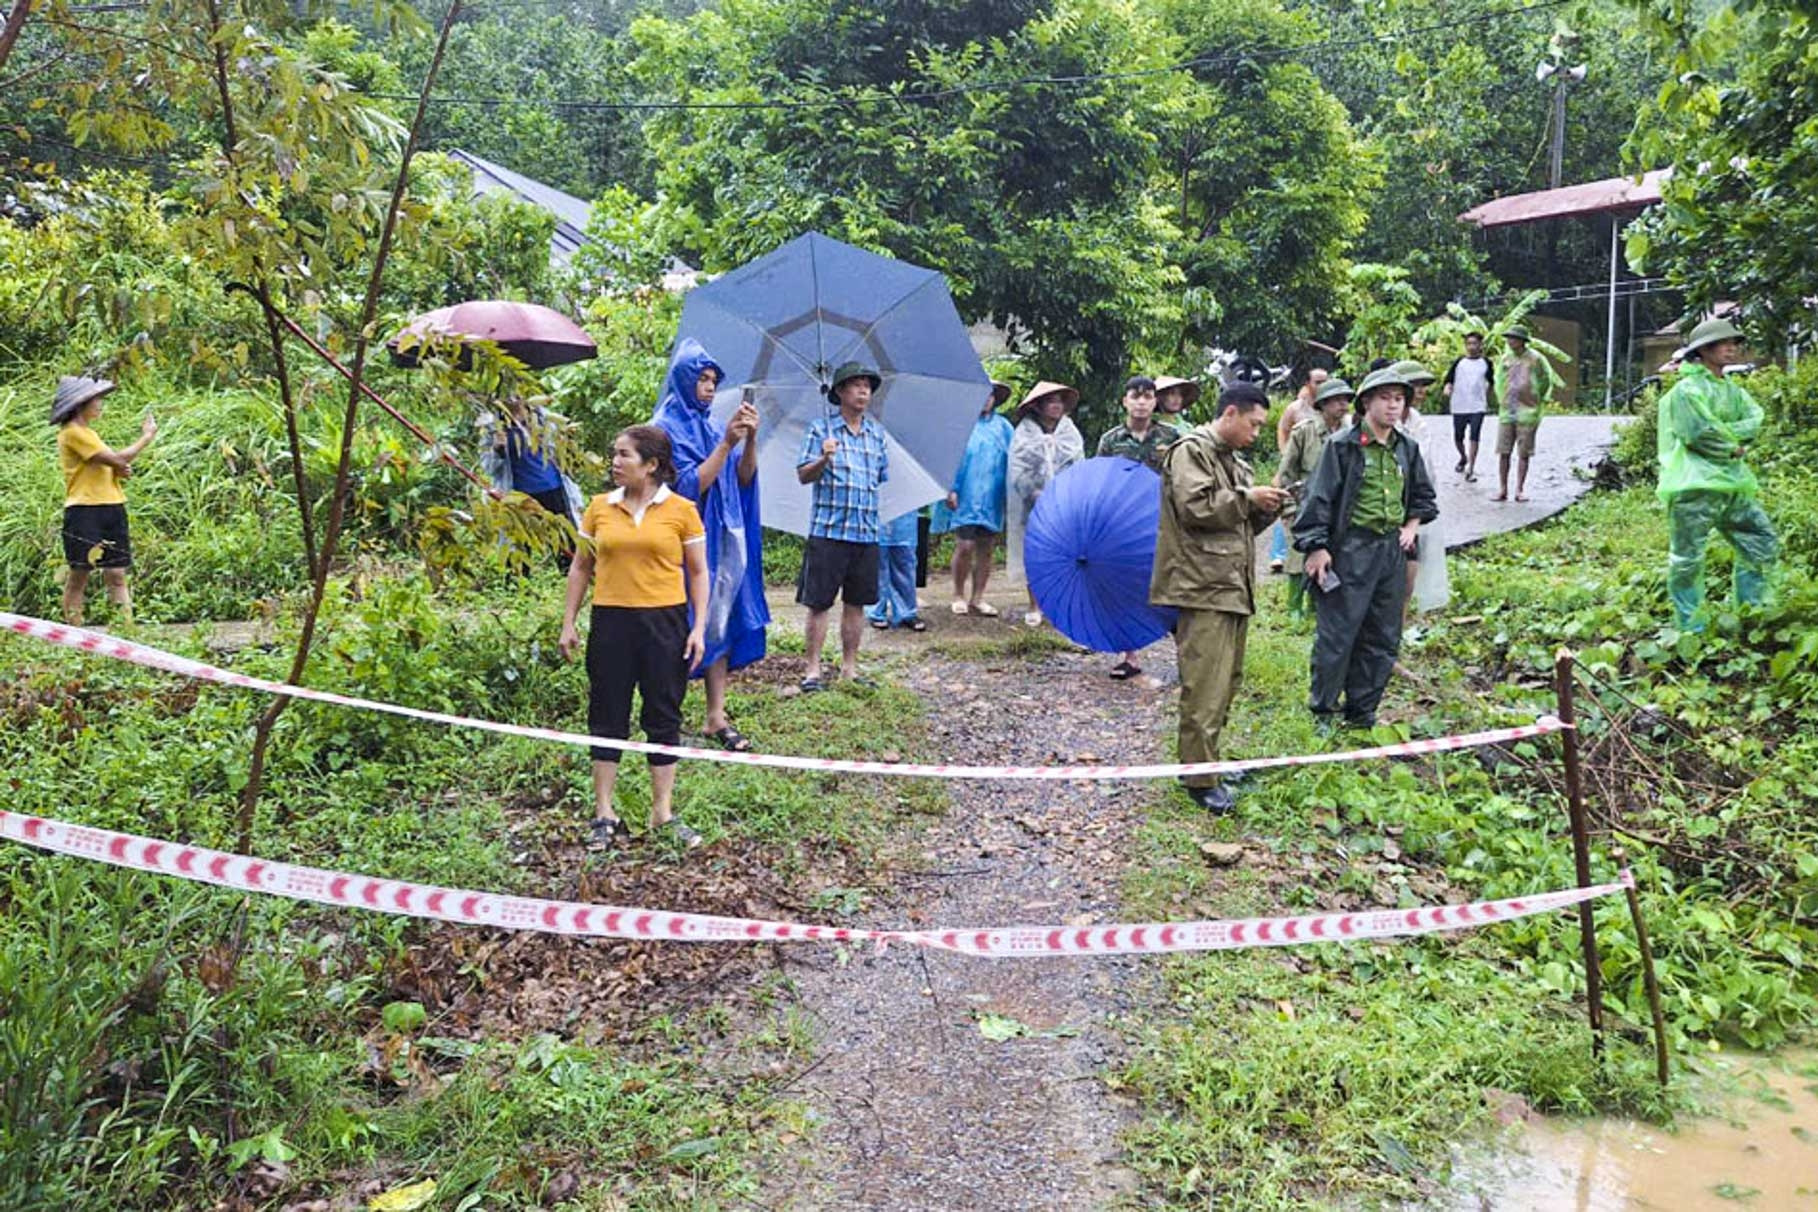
[(1758, 1148)]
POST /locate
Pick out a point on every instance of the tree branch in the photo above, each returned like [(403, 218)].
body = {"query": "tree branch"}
[(337, 504)]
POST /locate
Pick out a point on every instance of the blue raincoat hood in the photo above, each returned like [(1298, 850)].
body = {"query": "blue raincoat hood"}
[(736, 610)]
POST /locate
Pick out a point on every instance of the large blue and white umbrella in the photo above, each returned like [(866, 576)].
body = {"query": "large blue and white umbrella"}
[(783, 323)]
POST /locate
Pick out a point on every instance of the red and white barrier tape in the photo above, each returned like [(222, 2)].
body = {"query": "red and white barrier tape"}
[(155, 658), (403, 898)]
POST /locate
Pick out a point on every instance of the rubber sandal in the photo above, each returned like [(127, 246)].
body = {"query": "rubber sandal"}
[(676, 831), (1461, 465), (813, 685), (960, 607), (1032, 618), (864, 681), (1123, 671), (1470, 477), (1521, 498), (917, 624), (984, 610), (731, 739), (879, 624), (607, 836)]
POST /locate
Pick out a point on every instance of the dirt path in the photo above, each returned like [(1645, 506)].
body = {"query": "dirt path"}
[(918, 1108)]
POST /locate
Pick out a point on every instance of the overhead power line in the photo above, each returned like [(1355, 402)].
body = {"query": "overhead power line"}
[(876, 95)]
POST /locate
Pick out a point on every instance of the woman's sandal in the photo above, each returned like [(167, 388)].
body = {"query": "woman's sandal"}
[(1123, 671), (730, 738), (677, 832), (605, 836), (983, 609), (959, 606)]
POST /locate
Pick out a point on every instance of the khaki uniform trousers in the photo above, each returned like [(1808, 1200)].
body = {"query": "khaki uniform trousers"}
[(1210, 645)]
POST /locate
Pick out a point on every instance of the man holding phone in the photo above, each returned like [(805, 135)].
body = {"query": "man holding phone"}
[(1360, 518), (1205, 567), (847, 459)]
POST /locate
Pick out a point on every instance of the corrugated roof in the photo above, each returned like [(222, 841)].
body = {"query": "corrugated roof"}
[(571, 212), (1615, 195)]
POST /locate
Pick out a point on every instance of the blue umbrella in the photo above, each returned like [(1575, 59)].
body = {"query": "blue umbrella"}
[(1089, 550), (781, 325)]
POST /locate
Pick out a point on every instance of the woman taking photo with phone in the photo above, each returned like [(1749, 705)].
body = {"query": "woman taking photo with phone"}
[(716, 468), (645, 556)]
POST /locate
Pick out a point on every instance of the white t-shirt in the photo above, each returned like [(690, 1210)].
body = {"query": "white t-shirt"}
[(1470, 386)]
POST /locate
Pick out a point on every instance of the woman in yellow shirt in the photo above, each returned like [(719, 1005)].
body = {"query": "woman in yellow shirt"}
[(646, 560), (94, 508)]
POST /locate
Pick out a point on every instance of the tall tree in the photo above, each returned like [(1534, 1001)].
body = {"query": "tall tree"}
[(1740, 218)]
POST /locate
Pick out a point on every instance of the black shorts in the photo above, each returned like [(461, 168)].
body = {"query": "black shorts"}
[(1467, 424), (835, 568), (974, 533), (86, 527), (641, 648)]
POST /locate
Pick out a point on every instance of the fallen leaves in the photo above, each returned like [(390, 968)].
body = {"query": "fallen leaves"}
[(404, 1199)]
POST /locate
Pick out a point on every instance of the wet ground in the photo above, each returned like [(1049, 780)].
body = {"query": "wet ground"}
[(1567, 450), (1759, 1149), (953, 1082)]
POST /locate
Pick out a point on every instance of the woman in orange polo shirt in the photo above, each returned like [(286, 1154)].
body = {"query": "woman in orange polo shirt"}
[(646, 560)]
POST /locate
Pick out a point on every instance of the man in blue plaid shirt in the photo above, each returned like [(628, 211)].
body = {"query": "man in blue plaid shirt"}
[(847, 460)]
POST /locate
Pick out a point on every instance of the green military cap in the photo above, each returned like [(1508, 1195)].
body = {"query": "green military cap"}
[(1518, 333), (1413, 372), (1388, 376), (1332, 389), (854, 370), (1709, 333)]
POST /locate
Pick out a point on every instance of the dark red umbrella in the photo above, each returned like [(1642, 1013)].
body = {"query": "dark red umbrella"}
[(537, 336)]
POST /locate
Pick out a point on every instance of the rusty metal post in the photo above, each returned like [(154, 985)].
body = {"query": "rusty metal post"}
[(1563, 662), (1649, 979)]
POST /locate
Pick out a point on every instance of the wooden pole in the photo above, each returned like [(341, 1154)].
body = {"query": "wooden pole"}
[(1649, 979), (1563, 662)]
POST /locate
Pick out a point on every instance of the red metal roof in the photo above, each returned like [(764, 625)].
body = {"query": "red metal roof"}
[(1591, 198)]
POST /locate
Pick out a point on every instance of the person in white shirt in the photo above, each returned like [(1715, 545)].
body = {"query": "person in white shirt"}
[(1470, 385)]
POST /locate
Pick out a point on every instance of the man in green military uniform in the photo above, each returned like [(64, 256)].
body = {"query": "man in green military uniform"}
[(1359, 519), (1331, 404), (1528, 383), (1706, 424), (1143, 436), (1205, 566), (1141, 439)]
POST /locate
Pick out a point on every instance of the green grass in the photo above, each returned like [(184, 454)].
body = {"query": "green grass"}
[(1337, 1075), (126, 967)]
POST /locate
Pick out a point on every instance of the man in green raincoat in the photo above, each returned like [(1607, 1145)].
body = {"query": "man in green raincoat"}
[(1706, 424)]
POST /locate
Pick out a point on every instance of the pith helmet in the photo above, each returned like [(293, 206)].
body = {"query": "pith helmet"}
[(1388, 376), (1709, 333), (73, 391), (1332, 389), (1518, 333), (852, 370), (1188, 388), (1413, 372)]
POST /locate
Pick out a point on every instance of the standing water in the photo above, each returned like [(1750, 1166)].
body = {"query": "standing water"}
[(1758, 1149)]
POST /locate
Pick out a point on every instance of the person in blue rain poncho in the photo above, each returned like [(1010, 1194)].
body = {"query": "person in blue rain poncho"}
[(974, 508), (716, 468)]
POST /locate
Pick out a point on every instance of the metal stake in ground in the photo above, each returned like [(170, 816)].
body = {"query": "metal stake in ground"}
[(1563, 662), (1648, 978)]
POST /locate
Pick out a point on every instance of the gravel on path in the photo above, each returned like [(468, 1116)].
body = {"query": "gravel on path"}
[(918, 1108)]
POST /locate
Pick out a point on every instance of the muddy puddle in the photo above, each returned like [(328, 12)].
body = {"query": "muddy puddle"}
[(1758, 1149)]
